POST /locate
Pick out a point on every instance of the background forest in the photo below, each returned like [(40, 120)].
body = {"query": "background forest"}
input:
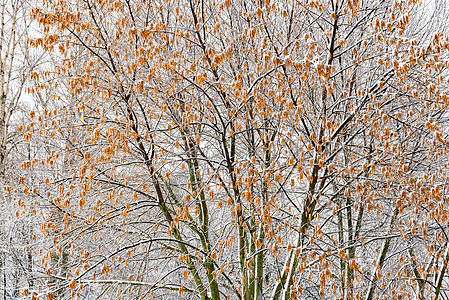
[(236, 149)]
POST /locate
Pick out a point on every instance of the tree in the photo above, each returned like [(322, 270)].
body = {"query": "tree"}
[(245, 149), (17, 63)]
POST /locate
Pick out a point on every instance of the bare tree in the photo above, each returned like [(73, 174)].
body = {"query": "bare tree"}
[(18, 63)]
